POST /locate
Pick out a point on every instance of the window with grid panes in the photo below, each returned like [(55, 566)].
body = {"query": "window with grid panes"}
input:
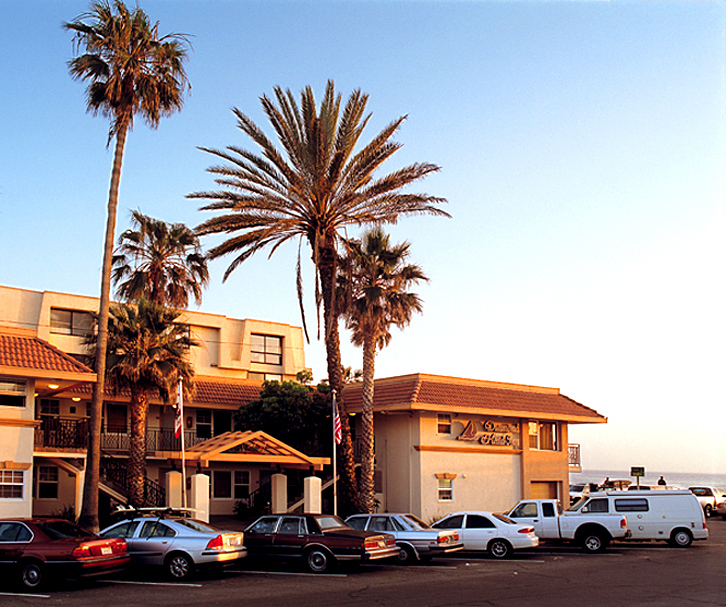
[(266, 349)]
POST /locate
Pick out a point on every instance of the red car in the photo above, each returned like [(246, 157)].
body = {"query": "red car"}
[(33, 549)]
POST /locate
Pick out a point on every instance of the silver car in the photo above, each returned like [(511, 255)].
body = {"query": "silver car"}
[(415, 539), (178, 544)]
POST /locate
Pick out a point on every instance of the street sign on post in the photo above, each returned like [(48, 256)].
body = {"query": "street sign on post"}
[(637, 471)]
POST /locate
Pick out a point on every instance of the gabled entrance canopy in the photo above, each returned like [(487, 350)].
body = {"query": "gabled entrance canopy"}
[(250, 447)]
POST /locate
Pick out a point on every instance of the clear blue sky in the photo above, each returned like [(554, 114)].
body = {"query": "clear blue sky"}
[(582, 147)]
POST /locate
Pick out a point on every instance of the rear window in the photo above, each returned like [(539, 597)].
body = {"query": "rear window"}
[(631, 505), (197, 525), (60, 530), (415, 522)]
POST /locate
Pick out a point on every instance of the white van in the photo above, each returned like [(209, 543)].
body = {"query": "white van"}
[(673, 516)]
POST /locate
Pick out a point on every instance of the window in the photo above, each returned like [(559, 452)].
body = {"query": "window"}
[(11, 484), (548, 509), (266, 349), (444, 423), (47, 482), (49, 407), (446, 489), (241, 484), (156, 529), (596, 505), (543, 436), (14, 532), (222, 484), (632, 505), (453, 522), (12, 393), (525, 510), (476, 521), (122, 530), (70, 322), (204, 423), (291, 525)]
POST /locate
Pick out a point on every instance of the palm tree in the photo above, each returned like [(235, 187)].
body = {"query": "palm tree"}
[(161, 261), (312, 189), (131, 71), (147, 353), (375, 279)]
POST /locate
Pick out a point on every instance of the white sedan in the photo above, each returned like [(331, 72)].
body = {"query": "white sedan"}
[(489, 532)]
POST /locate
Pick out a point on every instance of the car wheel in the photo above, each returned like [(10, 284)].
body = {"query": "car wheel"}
[(406, 555), (500, 549), (593, 541), (681, 538), (179, 566), (317, 560), (708, 510), (31, 574)]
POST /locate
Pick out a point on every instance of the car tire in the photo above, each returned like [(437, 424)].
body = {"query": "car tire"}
[(406, 555), (593, 541), (708, 510), (179, 566), (500, 549), (681, 538), (318, 560), (31, 575)]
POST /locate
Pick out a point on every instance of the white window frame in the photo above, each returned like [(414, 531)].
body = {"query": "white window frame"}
[(536, 436), (47, 475), (11, 479), (445, 490), (443, 420), (14, 388)]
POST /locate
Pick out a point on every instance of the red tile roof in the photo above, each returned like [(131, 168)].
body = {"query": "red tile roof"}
[(225, 393), (34, 354), (436, 393)]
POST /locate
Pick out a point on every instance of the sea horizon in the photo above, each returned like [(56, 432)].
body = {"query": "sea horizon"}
[(678, 479)]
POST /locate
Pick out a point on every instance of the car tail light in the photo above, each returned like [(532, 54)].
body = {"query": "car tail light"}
[(82, 551), (623, 523), (371, 544), (391, 542), (526, 530), (216, 543)]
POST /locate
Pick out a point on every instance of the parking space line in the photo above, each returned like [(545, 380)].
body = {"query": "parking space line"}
[(288, 573), (32, 596), (153, 583)]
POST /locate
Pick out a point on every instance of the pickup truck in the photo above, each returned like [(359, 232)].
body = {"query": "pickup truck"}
[(593, 531)]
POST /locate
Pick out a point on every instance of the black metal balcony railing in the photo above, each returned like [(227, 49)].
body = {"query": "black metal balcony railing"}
[(64, 433)]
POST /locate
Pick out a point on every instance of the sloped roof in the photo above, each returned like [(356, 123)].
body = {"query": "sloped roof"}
[(34, 357), (438, 393), (225, 393), (252, 446)]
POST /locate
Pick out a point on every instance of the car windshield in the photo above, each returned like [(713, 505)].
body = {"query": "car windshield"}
[(329, 522), (577, 488), (415, 522), (200, 526), (504, 519), (60, 530)]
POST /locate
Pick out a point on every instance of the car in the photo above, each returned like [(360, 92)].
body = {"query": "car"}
[(721, 510), (319, 540), (178, 544), (34, 549), (488, 532), (416, 540), (709, 498)]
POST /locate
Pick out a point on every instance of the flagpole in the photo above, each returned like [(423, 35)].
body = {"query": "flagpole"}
[(180, 401), (335, 459)]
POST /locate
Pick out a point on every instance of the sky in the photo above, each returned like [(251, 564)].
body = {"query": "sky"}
[(582, 147)]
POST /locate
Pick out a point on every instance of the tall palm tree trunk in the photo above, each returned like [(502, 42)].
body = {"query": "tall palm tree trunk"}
[(346, 462), (366, 492), (137, 444), (89, 512)]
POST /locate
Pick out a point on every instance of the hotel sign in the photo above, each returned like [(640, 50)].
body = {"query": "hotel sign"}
[(492, 434)]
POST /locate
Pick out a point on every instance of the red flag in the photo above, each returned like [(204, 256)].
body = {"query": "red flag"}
[(179, 408), (337, 431)]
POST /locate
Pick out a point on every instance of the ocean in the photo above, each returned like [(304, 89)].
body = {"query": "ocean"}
[(677, 479)]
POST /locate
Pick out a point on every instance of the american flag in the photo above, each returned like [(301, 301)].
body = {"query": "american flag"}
[(337, 432), (179, 408)]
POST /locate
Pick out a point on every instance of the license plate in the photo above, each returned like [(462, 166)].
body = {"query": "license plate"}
[(106, 550)]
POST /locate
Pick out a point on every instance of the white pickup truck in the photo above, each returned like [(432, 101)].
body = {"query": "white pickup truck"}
[(593, 531)]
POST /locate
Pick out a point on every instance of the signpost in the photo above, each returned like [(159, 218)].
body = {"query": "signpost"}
[(637, 472)]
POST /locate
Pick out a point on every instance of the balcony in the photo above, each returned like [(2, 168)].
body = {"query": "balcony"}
[(573, 457), (65, 433)]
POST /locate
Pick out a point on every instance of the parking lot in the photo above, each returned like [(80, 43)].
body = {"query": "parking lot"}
[(550, 576)]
